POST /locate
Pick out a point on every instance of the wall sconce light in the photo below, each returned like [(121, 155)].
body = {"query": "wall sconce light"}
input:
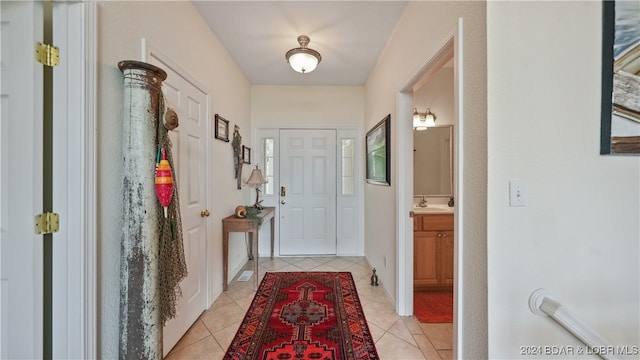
[(422, 121), (303, 59)]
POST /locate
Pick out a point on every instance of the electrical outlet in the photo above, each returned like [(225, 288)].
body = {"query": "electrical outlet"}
[(517, 193)]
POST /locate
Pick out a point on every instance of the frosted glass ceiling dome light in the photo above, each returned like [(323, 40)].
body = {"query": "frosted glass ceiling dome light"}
[(303, 59)]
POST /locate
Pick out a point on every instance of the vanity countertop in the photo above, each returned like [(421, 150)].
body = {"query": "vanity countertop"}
[(433, 209)]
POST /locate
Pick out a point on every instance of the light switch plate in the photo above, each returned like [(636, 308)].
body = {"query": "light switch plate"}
[(517, 193)]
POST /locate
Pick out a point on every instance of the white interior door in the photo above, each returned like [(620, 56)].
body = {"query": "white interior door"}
[(21, 302), (190, 157), (308, 192)]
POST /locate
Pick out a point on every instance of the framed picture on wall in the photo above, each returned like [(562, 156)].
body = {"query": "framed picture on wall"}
[(222, 128), (378, 150), (620, 111), (246, 155)]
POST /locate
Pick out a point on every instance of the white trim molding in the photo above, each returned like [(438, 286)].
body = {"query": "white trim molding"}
[(90, 180), (74, 149)]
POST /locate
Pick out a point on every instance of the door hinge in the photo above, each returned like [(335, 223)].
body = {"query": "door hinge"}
[(48, 55), (47, 223)]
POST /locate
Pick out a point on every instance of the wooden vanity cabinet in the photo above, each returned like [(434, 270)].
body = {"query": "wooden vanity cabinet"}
[(432, 250), (446, 259), (425, 258)]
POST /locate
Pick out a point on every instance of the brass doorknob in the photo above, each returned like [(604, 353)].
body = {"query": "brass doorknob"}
[(204, 213), (283, 202)]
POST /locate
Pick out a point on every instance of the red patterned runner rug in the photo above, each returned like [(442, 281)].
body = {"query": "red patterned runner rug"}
[(304, 315)]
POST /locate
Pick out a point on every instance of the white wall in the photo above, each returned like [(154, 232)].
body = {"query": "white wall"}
[(307, 106), (176, 30), (438, 95), (578, 235), (420, 33)]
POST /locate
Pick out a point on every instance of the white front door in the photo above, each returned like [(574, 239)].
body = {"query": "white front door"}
[(307, 192), (21, 280), (190, 161)]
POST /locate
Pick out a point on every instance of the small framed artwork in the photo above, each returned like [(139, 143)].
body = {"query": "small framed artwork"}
[(246, 155), (378, 150), (620, 117), (222, 128)]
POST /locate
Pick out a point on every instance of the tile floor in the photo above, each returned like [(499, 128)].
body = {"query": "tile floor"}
[(396, 337)]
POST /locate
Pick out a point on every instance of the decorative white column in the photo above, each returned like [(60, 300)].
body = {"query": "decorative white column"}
[(140, 329)]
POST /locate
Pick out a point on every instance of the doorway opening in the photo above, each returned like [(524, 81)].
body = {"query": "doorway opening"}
[(433, 199), (449, 50), (346, 218)]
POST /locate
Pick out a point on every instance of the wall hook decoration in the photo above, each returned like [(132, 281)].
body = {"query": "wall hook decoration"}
[(237, 155), (170, 119)]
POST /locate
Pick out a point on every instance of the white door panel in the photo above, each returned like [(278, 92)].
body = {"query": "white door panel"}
[(308, 206), (190, 158), (21, 262), (350, 219)]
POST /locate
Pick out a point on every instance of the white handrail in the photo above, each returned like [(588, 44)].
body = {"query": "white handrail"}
[(542, 304)]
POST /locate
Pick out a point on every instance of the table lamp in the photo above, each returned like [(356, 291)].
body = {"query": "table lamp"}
[(256, 179)]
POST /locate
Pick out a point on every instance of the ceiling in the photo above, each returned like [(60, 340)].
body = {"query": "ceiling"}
[(350, 36)]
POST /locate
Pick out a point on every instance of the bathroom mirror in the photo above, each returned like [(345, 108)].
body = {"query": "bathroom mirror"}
[(433, 161)]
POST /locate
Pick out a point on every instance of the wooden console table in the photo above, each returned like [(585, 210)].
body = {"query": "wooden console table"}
[(235, 224)]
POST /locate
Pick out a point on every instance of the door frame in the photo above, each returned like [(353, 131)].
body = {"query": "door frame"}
[(356, 248), (75, 249), (451, 45)]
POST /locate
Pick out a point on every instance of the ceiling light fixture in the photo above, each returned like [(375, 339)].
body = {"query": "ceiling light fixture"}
[(423, 121), (303, 59)]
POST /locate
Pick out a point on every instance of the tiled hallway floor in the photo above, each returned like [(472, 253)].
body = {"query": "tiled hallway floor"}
[(396, 337)]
